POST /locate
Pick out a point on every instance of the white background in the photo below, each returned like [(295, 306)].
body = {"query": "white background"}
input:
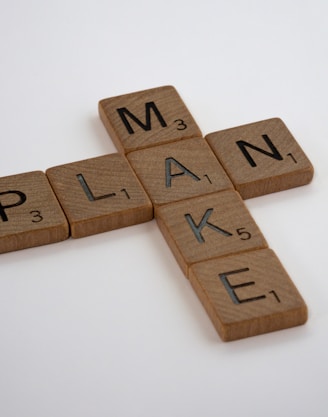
[(108, 325)]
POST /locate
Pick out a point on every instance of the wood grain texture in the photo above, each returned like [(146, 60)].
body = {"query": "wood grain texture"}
[(179, 170), (100, 194), (248, 294), (261, 158), (147, 118), (30, 214), (207, 227)]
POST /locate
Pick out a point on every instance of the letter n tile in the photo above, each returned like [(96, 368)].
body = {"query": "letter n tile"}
[(261, 158)]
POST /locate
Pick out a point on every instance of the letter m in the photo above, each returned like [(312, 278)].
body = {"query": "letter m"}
[(124, 114)]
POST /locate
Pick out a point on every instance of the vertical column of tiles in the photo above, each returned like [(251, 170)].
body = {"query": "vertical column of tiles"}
[(248, 294), (100, 194), (30, 214), (147, 118), (261, 158), (207, 227), (179, 170)]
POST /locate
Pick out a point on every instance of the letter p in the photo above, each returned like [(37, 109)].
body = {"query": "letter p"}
[(21, 200)]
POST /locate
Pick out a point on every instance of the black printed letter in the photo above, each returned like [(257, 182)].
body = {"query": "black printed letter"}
[(22, 199), (231, 288), (184, 171), (88, 192), (275, 153), (124, 112), (197, 229)]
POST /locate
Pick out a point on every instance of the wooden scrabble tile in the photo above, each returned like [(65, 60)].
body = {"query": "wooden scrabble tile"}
[(261, 158), (147, 118), (30, 214), (207, 227), (100, 194), (179, 170), (248, 294)]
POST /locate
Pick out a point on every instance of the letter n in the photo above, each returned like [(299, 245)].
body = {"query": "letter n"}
[(273, 154), (124, 113)]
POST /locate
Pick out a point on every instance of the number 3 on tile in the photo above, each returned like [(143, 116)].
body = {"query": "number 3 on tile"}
[(37, 218), (181, 124)]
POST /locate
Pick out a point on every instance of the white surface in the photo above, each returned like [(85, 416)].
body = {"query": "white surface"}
[(108, 325)]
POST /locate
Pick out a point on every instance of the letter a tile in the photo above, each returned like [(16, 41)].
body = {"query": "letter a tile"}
[(100, 194), (30, 214), (179, 170), (248, 294), (261, 158), (207, 227), (147, 118)]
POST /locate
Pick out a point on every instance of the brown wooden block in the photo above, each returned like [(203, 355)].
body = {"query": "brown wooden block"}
[(147, 118), (30, 214), (100, 194), (248, 294), (207, 227), (261, 158), (179, 170)]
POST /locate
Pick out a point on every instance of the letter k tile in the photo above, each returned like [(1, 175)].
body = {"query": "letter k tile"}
[(208, 227)]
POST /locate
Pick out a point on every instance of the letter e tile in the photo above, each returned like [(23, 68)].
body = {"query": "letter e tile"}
[(261, 158), (248, 294), (147, 118), (100, 194), (30, 214), (207, 227)]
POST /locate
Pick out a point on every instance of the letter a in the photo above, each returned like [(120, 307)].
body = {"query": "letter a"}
[(184, 171)]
